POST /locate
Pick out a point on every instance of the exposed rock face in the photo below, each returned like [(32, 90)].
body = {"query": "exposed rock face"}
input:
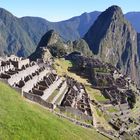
[(48, 39), (138, 41), (81, 46), (58, 47), (113, 39)]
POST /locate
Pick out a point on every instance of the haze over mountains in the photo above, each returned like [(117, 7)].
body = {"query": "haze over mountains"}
[(20, 36)]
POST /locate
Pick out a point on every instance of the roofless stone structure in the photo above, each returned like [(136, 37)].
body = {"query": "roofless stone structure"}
[(38, 82)]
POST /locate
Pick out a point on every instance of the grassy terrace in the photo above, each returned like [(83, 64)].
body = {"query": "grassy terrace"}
[(62, 66), (20, 119), (112, 109), (100, 118), (101, 70), (136, 110), (95, 94)]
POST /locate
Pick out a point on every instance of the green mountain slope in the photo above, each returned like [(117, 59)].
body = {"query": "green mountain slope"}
[(20, 36), (23, 120), (13, 39), (58, 47)]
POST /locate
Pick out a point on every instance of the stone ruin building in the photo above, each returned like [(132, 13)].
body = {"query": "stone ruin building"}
[(76, 97), (106, 78), (38, 82), (121, 94)]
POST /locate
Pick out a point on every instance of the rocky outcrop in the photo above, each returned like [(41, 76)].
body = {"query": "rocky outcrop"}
[(113, 39), (81, 46), (58, 47), (51, 41)]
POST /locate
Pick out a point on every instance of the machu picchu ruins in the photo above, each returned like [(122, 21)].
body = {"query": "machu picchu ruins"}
[(39, 82), (120, 93)]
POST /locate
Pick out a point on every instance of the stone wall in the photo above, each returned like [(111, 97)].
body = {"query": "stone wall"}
[(77, 113), (31, 83), (4, 81), (17, 89), (61, 91), (37, 99), (62, 97), (51, 88), (74, 121), (5, 68), (21, 62), (21, 74)]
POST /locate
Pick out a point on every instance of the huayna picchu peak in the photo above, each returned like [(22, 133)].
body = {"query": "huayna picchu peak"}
[(113, 39)]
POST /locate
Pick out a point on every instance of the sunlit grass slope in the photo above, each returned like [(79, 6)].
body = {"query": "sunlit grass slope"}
[(62, 65), (22, 120)]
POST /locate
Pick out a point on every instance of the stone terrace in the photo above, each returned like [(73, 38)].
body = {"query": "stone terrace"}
[(76, 97), (106, 78), (39, 82)]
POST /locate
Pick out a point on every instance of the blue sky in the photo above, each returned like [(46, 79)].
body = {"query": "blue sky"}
[(56, 10)]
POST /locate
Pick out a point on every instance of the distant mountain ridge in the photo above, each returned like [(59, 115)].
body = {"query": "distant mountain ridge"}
[(21, 36), (71, 29), (134, 19), (13, 38)]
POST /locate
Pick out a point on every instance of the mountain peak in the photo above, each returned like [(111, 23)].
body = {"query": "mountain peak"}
[(114, 8), (51, 37), (110, 17), (112, 39), (49, 44), (113, 12), (4, 14)]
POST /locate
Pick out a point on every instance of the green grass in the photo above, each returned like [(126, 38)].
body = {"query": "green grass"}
[(95, 94), (112, 109), (22, 120), (99, 112), (61, 66), (102, 70), (132, 126), (135, 111)]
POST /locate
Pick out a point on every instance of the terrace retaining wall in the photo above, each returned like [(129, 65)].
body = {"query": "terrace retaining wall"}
[(37, 99)]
